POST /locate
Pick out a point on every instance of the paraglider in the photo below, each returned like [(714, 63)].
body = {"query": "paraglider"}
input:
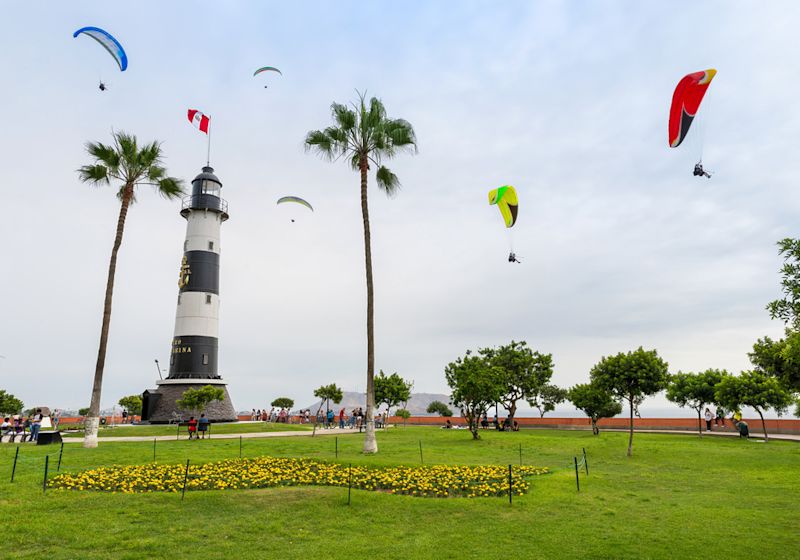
[(295, 200), (686, 101), (505, 198), (110, 44), (266, 69)]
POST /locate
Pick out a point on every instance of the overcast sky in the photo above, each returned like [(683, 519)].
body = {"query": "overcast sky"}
[(621, 246)]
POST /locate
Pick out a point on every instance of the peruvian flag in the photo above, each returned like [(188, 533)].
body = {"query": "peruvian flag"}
[(199, 120)]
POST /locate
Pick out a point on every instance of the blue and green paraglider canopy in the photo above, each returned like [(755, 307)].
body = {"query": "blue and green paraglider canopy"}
[(108, 42)]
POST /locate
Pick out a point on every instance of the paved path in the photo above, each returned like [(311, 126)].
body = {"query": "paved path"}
[(249, 435), (337, 431)]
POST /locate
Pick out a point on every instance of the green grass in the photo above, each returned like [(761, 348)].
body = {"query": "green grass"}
[(677, 497), (230, 428)]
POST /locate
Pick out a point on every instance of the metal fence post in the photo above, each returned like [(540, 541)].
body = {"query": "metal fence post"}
[(337, 447), (14, 468), (420, 453), (349, 481), (585, 461), (240, 447), (510, 486), (520, 454), (185, 477), (154, 450), (46, 467), (577, 479), (60, 453)]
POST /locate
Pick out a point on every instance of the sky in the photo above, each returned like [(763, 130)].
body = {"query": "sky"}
[(620, 245)]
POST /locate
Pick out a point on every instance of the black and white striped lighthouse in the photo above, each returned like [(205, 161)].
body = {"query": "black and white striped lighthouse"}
[(195, 344)]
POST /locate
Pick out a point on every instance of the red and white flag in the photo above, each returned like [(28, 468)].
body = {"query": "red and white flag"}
[(199, 120)]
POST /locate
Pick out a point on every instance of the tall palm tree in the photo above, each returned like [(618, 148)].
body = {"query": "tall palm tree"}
[(364, 135), (124, 162)]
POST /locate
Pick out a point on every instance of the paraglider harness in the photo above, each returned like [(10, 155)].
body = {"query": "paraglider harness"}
[(513, 258), (102, 86), (699, 171)]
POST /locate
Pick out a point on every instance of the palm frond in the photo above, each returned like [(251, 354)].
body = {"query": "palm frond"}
[(401, 134), (170, 187), (149, 155), (344, 117), (104, 154), (387, 181), (320, 142), (95, 174)]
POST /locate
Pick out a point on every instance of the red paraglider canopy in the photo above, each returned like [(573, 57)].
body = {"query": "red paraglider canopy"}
[(685, 103)]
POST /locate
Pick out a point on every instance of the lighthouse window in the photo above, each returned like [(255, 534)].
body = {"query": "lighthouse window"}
[(210, 245), (208, 298), (205, 359)]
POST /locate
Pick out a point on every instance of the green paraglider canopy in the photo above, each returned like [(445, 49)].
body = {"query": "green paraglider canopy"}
[(296, 200)]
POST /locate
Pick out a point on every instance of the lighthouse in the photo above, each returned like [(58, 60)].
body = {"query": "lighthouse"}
[(194, 350)]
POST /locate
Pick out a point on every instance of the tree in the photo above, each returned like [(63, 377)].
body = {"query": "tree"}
[(198, 399), (595, 402), (362, 136), (132, 403), (631, 376), (404, 414), (438, 407), (779, 358), (326, 393), (547, 398), (475, 386), (524, 371), (787, 309), (9, 404), (756, 389), (129, 165), (391, 390), (83, 411), (283, 402), (695, 390)]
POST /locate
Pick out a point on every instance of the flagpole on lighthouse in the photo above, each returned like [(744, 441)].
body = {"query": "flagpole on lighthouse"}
[(208, 152)]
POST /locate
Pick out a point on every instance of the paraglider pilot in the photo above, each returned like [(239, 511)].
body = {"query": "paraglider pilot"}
[(513, 258), (699, 171), (102, 86)]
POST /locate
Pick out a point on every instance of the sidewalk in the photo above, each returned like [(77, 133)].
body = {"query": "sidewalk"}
[(753, 435), (250, 435)]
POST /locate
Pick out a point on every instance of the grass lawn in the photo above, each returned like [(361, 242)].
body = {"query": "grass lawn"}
[(677, 497), (164, 430)]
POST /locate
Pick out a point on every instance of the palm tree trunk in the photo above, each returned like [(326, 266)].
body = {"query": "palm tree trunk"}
[(370, 443), (630, 439), (92, 421)]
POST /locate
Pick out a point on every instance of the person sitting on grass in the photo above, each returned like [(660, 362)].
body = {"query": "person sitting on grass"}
[(202, 425), (448, 425), (192, 428)]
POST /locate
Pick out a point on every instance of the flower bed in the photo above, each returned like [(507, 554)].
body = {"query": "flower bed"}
[(434, 481)]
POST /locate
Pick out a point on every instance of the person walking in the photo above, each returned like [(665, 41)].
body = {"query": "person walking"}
[(708, 417), (202, 425), (192, 428), (329, 419), (341, 419)]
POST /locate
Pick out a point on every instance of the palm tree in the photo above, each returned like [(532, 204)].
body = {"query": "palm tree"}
[(130, 165), (362, 136)]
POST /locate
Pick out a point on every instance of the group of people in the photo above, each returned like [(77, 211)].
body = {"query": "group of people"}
[(719, 420), (198, 428), (502, 426), (274, 415), (25, 427)]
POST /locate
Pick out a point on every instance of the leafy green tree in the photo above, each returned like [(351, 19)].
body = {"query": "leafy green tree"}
[(525, 372), (779, 358), (404, 414), (129, 165), (756, 389), (283, 402), (631, 376), (595, 401), (83, 411), (362, 136), (326, 394), (438, 407), (197, 400), (547, 398), (391, 390), (475, 386), (695, 390), (9, 404), (787, 309), (132, 403)]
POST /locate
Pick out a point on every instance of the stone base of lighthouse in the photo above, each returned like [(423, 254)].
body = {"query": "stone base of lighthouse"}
[(159, 406)]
